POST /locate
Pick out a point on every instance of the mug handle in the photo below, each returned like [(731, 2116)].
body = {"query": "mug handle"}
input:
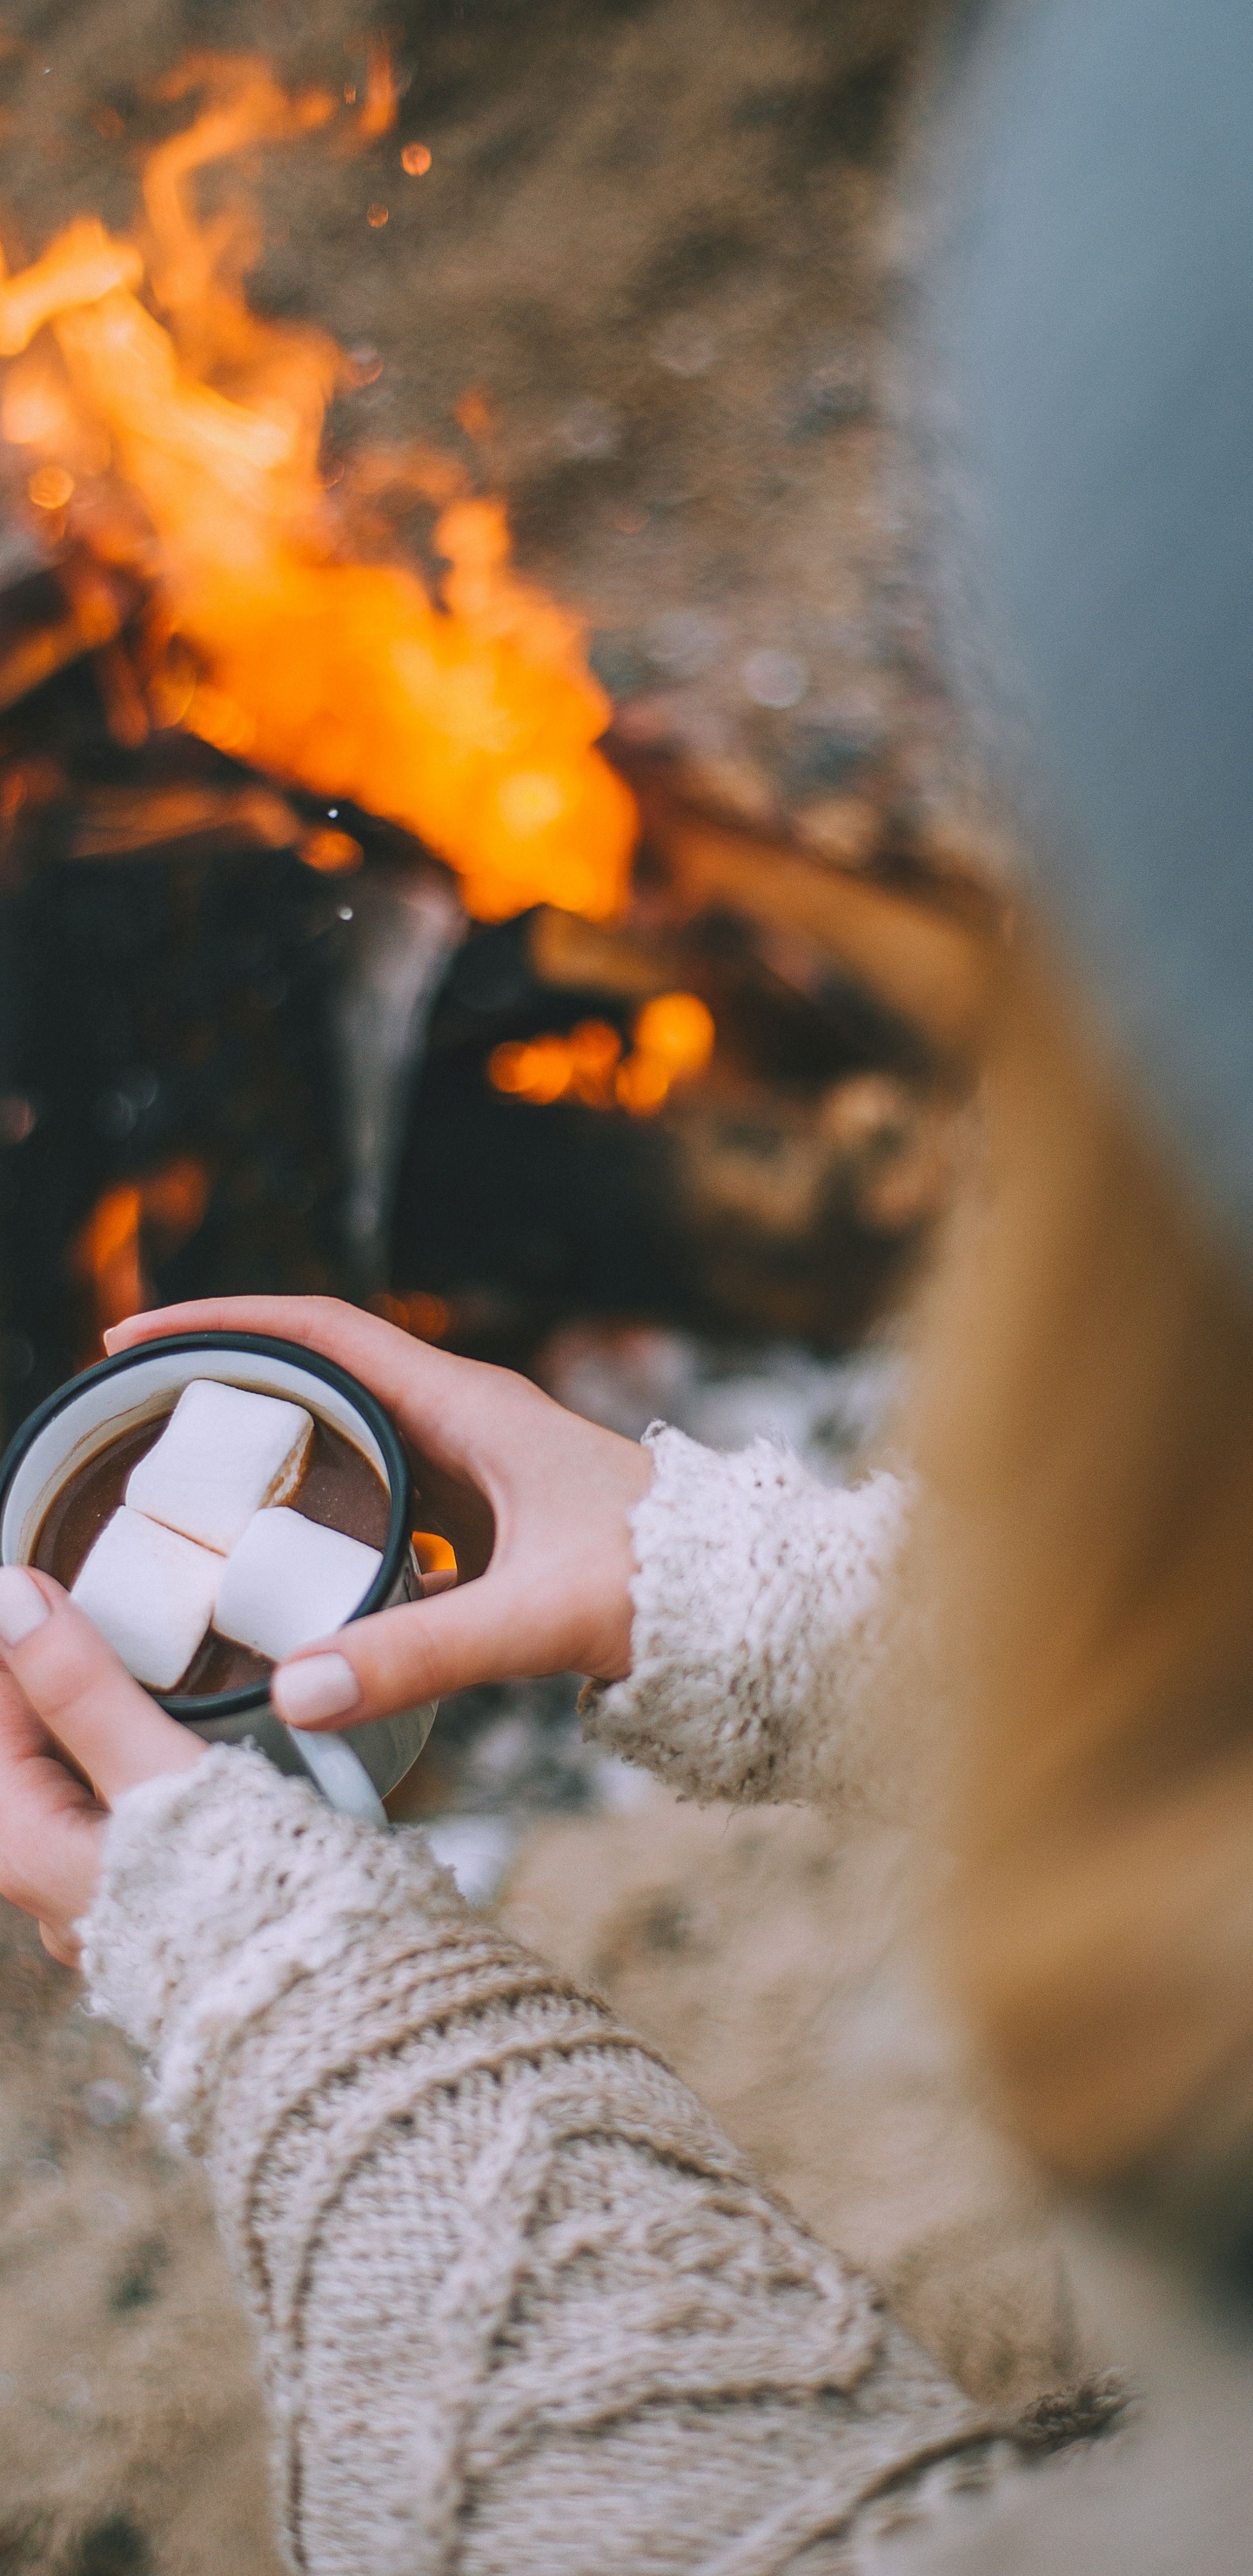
[(340, 1775)]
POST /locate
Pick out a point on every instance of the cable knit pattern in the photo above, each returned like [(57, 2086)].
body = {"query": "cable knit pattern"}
[(761, 1617), (522, 2309)]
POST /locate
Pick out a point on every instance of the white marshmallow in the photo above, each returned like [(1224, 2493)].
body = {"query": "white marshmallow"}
[(151, 1593), (289, 1581), (223, 1454)]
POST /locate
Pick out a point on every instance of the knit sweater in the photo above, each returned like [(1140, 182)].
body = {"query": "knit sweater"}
[(521, 2308), (764, 1607)]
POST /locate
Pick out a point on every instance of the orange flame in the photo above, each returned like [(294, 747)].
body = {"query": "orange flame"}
[(186, 446), (378, 114), (108, 1250), (674, 1040), (435, 1555)]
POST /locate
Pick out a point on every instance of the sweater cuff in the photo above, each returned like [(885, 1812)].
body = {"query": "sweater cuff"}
[(759, 1618), (223, 1886)]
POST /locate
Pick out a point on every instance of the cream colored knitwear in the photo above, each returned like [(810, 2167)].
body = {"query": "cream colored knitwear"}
[(522, 2310), (764, 1607)]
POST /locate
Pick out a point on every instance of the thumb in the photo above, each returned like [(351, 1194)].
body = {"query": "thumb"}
[(480, 1632)]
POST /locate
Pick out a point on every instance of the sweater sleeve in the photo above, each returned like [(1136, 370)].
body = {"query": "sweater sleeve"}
[(764, 1605), (521, 2309)]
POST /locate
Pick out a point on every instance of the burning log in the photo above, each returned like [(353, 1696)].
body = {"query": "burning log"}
[(920, 938)]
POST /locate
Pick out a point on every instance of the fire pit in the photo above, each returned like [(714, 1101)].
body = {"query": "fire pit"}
[(282, 714)]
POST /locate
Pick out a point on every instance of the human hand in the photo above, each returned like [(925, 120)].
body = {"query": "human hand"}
[(75, 1731), (534, 1500)]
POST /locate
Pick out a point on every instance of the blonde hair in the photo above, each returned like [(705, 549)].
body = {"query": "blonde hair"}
[(1087, 1431)]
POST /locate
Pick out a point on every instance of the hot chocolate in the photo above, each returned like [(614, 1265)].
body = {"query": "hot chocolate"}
[(338, 1488)]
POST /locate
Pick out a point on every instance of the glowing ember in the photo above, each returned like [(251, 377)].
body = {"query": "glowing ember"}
[(50, 487), (378, 115), (332, 853), (673, 1042), (676, 1030), (179, 432), (416, 1311), (435, 1555)]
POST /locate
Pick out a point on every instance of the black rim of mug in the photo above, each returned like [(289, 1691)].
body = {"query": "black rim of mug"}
[(238, 1703)]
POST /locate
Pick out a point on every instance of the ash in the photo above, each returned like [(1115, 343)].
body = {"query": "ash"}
[(507, 1754)]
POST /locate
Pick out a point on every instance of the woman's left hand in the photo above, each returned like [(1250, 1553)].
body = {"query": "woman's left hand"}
[(75, 1731)]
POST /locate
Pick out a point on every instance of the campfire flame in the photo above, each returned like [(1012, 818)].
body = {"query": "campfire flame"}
[(174, 432), (108, 1250), (673, 1042)]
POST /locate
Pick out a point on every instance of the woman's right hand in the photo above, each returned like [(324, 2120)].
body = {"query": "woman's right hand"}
[(535, 1501)]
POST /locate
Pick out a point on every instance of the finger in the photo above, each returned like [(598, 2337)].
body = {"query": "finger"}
[(24, 1738), (440, 1401), (50, 1823), (319, 1323), (450, 1410), (378, 1353), (483, 1631), (82, 1692), (51, 1842), (61, 1946)]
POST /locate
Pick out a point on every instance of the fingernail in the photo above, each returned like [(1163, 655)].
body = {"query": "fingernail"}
[(320, 1686), (115, 1333), (22, 1606)]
